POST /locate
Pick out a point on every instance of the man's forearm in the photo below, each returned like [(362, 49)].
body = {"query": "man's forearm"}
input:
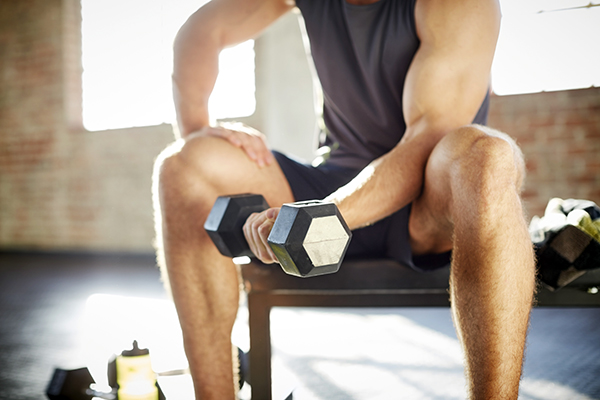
[(195, 70), (387, 184), (215, 26)]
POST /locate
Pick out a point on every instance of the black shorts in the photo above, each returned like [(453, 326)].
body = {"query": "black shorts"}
[(386, 238)]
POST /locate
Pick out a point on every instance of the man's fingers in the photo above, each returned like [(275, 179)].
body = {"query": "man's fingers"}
[(226, 134), (256, 231), (265, 229), (272, 213), (248, 234), (263, 233), (252, 142), (255, 146)]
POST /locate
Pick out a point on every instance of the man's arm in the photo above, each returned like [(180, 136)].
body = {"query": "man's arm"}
[(215, 26), (445, 85)]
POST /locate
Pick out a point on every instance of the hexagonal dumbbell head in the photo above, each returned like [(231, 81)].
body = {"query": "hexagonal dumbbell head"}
[(226, 219), (310, 238), (70, 384)]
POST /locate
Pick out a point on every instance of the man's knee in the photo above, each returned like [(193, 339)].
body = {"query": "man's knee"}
[(199, 155), (193, 173), (486, 160), (169, 171), (192, 167), (165, 162)]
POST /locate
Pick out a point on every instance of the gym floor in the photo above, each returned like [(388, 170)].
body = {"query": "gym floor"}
[(69, 311)]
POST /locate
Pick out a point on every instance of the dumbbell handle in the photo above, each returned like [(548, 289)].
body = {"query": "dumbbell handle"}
[(101, 395)]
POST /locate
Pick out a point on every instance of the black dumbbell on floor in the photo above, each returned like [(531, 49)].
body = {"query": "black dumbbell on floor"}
[(74, 384), (309, 238)]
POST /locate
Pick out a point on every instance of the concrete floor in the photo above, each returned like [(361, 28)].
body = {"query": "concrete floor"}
[(71, 311)]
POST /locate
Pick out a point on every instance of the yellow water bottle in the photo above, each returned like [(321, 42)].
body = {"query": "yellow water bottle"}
[(135, 376)]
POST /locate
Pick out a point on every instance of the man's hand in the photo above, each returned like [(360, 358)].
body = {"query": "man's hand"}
[(251, 141), (257, 229)]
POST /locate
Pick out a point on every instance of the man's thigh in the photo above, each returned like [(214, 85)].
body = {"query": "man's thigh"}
[(202, 168)]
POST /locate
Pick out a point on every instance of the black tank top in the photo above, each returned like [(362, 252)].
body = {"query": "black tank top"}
[(362, 55)]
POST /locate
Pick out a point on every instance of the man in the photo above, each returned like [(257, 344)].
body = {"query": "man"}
[(402, 82)]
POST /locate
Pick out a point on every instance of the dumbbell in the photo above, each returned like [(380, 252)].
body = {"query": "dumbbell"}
[(309, 238), (74, 384)]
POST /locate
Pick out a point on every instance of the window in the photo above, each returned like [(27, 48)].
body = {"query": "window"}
[(127, 64), (547, 45)]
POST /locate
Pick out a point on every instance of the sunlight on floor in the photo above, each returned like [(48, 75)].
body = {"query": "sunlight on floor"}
[(318, 354), (379, 354), (113, 322), (364, 354), (535, 389)]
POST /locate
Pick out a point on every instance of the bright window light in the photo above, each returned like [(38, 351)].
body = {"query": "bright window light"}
[(127, 65), (547, 45)]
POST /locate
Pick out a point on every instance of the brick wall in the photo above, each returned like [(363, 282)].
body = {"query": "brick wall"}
[(31, 117), (60, 186), (559, 133), (64, 188)]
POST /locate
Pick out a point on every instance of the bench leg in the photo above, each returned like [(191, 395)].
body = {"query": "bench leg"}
[(260, 346)]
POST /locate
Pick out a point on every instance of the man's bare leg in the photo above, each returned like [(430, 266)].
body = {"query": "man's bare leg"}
[(204, 283), (471, 203)]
